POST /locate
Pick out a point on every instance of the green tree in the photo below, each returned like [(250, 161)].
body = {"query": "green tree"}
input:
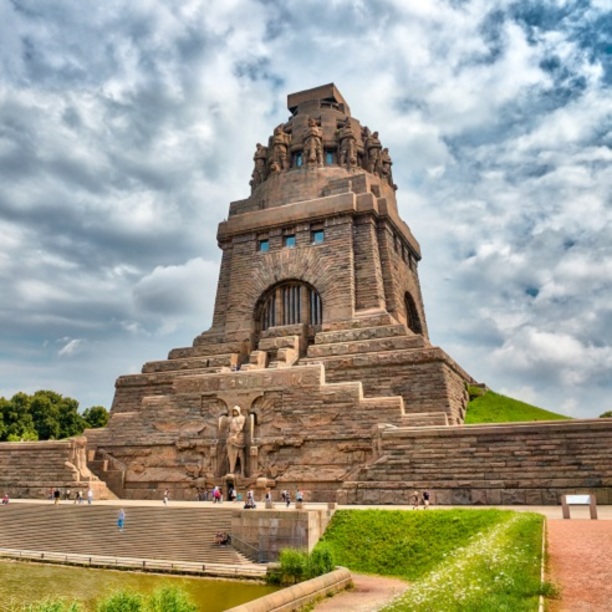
[(96, 416), (606, 415), (17, 419)]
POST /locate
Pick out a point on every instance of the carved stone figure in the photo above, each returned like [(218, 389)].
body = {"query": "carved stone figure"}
[(386, 163), (313, 144), (78, 459), (280, 147), (258, 176), (235, 440), (373, 148), (348, 145)]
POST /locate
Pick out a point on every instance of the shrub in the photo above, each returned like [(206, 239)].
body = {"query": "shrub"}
[(170, 599), (122, 601), (297, 565)]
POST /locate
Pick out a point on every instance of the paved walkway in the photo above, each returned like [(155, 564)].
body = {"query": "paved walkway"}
[(580, 564)]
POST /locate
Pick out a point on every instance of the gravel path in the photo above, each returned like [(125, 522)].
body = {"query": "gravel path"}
[(371, 593), (580, 564)]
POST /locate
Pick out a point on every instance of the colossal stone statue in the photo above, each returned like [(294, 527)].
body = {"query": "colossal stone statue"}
[(313, 144), (348, 148), (373, 147), (280, 148), (258, 175), (235, 440)]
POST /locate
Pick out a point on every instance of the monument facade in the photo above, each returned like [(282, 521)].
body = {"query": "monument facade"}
[(317, 372), (319, 336)]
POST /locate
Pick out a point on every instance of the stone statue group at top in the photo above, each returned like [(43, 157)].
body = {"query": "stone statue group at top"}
[(353, 148)]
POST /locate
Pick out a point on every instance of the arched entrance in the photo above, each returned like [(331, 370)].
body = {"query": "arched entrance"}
[(289, 303)]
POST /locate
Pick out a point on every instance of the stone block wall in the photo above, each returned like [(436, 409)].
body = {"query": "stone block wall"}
[(523, 463)]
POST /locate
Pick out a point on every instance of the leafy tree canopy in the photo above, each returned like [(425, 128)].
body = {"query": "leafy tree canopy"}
[(45, 415)]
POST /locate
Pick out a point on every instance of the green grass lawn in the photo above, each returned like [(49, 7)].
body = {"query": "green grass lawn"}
[(491, 407), (456, 560)]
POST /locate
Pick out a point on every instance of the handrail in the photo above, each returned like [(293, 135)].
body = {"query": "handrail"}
[(247, 549)]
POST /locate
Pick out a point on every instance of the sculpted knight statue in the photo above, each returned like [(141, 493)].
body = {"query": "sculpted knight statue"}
[(258, 175), (313, 144), (348, 145), (280, 149), (385, 163), (373, 147), (236, 439)]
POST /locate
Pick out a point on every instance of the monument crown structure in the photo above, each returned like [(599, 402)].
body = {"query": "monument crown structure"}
[(319, 337)]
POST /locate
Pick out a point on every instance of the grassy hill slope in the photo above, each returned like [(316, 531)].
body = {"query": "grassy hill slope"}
[(491, 407)]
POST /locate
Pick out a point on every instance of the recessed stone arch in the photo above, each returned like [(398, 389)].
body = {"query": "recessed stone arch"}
[(289, 302), (413, 319)]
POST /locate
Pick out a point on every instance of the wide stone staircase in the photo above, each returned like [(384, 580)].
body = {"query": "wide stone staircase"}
[(156, 533)]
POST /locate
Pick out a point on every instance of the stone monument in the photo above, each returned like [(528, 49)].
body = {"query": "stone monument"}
[(317, 372)]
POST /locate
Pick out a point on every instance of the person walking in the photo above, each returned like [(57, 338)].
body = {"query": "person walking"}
[(166, 497), (415, 500), (89, 495), (56, 496), (425, 500), (121, 519)]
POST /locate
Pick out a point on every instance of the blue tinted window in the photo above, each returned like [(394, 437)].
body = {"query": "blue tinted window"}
[(318, 236), (329, 158), (289, 240), (298, 160), (263, 246)]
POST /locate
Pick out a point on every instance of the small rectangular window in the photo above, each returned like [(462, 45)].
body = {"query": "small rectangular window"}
[(298, 160), (289, 240), (317, 236), (263, 245), (329, 157)]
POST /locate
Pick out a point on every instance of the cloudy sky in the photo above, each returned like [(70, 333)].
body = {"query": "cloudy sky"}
[(127, 127)]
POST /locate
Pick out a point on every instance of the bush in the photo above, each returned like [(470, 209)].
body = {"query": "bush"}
[(297, 565), (122, 601), (170, 599), (321, 561)]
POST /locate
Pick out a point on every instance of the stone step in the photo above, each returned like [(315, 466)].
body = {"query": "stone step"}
[(376, 345), (284, 330), (425, 419), (206, 349), (279, 342), (177, 534), (366, 320), (204, 365), (361, 333)]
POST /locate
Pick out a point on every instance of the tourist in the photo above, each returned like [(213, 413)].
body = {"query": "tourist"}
[(250, 500), (5, 499), (78, 498), (216, 495), (56, 496), (232, 494), (67, 494), (415, 500), (89, 495), (166, 496), (425, 500), (121, 519), (287, 498), (299, 496)]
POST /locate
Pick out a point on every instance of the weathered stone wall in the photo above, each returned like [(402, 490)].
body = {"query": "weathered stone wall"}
[(521, 463), (427, 379), (369, 287), (272, 530), (30, 469)]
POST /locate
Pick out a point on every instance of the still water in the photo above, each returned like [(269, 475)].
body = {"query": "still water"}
[(22, 583)]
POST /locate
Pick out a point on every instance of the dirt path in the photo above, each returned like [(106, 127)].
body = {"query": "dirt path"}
[(371, 593), (580, 564)]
